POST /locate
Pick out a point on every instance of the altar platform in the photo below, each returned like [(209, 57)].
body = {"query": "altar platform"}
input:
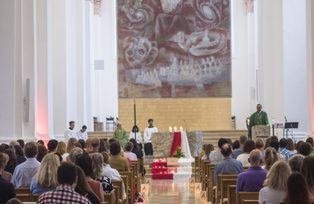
[(209, 137)]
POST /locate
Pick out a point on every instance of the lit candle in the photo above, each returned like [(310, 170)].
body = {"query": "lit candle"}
[(170, 129), (175, 128), (181, 129)]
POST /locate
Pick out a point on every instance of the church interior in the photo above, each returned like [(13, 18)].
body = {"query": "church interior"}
[(181, 101)]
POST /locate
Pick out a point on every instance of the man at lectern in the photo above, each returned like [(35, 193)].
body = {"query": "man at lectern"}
[(257, 118)]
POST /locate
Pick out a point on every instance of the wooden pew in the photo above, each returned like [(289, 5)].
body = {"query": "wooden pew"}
[(246, 196), (135, 165), (222, 185), (128, 183), (231, 194), (109, 198), (25, 195), (197, 163), (206, 174), (118, 185), (210, 182), (249, 202)]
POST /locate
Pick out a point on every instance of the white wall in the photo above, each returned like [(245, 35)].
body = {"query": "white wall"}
[(296, 67)]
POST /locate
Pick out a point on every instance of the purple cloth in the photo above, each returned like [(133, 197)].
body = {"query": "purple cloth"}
[(252, 180)]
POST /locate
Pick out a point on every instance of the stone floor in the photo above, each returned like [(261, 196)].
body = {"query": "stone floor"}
[(172, 192)]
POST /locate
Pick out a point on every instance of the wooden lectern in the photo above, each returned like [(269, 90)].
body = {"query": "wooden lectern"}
[(260, 131)]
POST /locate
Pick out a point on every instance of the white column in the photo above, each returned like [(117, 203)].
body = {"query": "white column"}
[(7, 63), (240, 70), (270, 69), (27, 69), (57, 63), (78, 63), (297, 69), (312, 65), (105, 82), (43, 76)]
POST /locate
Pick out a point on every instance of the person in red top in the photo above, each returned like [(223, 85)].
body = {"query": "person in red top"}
[(64, 193)]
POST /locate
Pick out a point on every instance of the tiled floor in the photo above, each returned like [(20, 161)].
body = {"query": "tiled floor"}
[(172, 192)]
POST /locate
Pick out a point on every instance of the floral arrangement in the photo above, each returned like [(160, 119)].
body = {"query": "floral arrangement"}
[(179, 153)]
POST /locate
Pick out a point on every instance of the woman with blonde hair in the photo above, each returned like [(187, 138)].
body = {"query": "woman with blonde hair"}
[(270, 158), (275, 184), (97, 166), (71, 145), (46, 177), (61, 150)]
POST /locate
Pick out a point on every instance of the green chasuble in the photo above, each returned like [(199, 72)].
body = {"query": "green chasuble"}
[(121, 136), (258, 118)]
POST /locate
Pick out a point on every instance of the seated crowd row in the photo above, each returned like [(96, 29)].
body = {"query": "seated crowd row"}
[(79, 171), (281, 171)]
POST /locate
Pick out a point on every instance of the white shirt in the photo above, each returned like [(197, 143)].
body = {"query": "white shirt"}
[(82, 135), (139, 138), (70, 134), (130, 155), (111, 173), (270, 196), (244, 159), (148, 134)]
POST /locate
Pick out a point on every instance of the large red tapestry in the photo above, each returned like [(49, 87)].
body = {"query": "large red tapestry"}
[(174, 48)]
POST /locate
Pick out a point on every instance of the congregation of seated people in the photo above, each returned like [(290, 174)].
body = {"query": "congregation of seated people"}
[(77, 172), (273, 168)]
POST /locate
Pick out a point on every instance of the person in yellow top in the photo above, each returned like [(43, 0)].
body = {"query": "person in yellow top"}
[(121, 135)]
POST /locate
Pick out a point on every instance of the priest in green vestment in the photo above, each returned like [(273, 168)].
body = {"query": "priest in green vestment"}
[(121, 135), (257, 118)]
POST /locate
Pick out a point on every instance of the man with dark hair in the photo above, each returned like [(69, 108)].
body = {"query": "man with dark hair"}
[(82, 134), (21, 143), (116, 161), (310, 141), (239, 151), (283, 149), (70, 132), (148, 147), (304, 148), (216, 156), (52, 145), (252, 180), (7, 190), (228, 165), (64, 193), (25, 171)]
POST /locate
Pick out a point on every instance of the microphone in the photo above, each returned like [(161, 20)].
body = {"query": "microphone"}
[(286, 119)]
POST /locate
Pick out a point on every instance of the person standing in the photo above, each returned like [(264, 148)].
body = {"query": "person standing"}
[(257, 118), (121, 135), (136, 134), (82, 134), (70, 132), (148, 147)]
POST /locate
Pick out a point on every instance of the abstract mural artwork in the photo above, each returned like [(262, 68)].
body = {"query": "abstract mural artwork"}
[(174, 48)]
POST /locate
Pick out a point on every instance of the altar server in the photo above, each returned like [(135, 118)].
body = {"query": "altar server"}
[(148, 147), (70, 132), (82, 134)]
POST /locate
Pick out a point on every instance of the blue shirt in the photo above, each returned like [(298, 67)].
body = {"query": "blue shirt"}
[(237, 152), (37, 189), (24, 173), (286, 153), (228, 166), (252, 180)]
